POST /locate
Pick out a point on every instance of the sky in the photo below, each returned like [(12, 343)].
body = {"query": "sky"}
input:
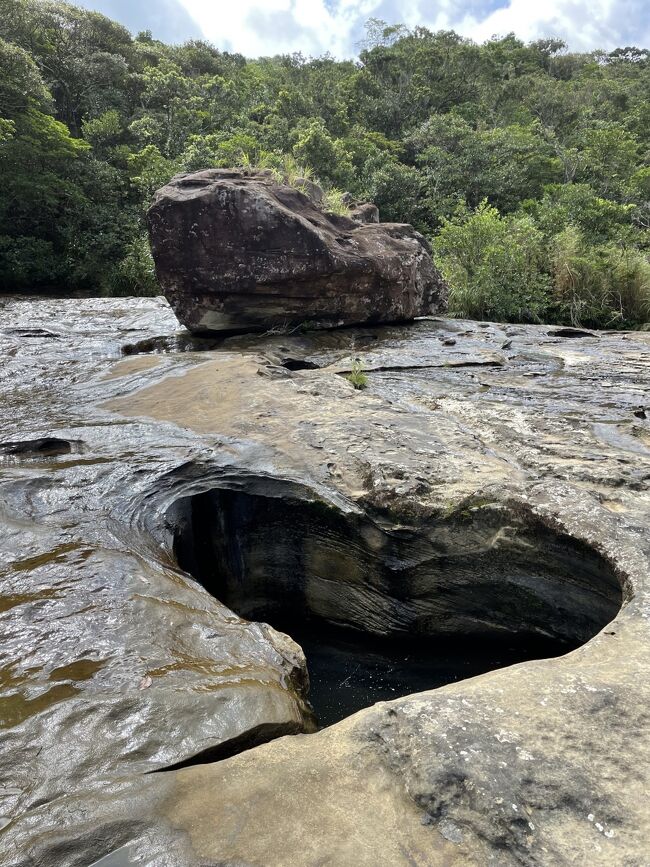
[(266, 27)]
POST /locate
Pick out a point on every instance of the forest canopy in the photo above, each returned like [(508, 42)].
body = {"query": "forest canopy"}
[(526, 165)]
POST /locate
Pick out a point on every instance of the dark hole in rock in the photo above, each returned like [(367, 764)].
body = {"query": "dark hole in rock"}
[(299, 364), (571, 332), (384, 613), (46, 447), (163, 345)]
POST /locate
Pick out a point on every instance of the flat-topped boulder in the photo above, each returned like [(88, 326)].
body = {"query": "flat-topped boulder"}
[(237, 251)]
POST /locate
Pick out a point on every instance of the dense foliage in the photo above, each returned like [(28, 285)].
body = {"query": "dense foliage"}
[(527, 165)]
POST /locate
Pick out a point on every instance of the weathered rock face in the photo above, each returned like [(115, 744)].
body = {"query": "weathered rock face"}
[(236, 251), (445, 581), (490, 480), (366, 213)]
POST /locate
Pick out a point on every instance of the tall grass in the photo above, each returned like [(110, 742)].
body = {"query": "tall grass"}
[(605, 286)]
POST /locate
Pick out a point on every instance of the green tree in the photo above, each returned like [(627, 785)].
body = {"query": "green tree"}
[(428, 125), (396, 189), (610, 156), (149, 170), (315, 147), (494, 266), (35, 163), (21, 84), (103, 132), (502, 164), (82, 55), (600, 219)]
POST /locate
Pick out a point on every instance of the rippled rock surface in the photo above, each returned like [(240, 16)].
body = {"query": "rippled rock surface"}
[(490, 484), (237, 251)]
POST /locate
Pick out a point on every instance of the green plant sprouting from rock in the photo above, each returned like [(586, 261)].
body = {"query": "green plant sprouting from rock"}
[(357, 376)]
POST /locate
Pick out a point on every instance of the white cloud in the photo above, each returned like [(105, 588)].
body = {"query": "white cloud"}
[(259, 27), (583, 24)]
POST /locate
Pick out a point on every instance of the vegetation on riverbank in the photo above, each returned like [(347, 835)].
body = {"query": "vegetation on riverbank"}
[(527, 165)]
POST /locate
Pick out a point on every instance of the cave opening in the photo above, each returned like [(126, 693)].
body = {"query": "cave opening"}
[(381, 612)]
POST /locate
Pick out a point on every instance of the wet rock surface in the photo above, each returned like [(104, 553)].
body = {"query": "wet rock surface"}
[(112, 660), (489, 479), (237, 251)]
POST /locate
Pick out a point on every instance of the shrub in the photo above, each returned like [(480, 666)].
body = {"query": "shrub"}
[(27, 263), (494, 266), (397, 190), (314, 146), (135, 273), (562, 205), (334, 201)]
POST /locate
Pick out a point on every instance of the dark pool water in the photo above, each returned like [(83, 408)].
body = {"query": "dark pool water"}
[(350, 671)]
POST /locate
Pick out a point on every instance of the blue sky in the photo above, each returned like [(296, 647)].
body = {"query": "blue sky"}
[(257, 27), (167, 19)]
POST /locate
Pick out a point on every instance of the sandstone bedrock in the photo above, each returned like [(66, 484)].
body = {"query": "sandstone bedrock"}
[(489, 479)]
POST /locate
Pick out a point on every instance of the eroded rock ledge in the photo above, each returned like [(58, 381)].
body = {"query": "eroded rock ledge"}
[(488, 477)]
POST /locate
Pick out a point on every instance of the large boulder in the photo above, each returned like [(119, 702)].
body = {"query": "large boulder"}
[(237, 251)]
